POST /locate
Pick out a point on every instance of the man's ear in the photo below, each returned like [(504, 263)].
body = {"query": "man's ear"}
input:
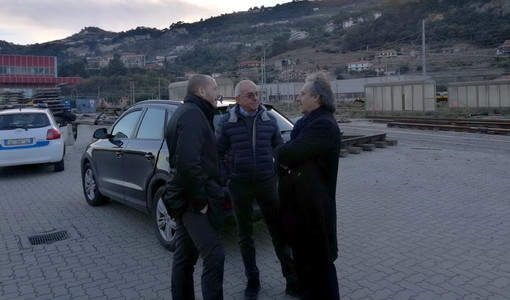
[(201, 92), (238, 99)]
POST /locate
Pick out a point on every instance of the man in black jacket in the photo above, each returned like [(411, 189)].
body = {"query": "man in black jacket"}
[(247, 136), (193, 156), (308, 166)]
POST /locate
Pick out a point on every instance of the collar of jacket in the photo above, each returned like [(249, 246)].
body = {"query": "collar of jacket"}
[(234, 113), (306, 119), (319, 111), (206, 107)]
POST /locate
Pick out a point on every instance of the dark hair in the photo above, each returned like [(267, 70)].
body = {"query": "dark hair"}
[(196, 82), (322, 88)]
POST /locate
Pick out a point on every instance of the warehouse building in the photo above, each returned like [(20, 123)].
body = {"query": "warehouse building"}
[(479, 94), (26, 73)]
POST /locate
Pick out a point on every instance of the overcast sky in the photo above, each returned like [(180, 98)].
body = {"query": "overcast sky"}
[(38, 21)]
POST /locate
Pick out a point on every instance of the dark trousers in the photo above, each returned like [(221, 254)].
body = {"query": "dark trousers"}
[(317, 276), (265, 192), (195, 236)]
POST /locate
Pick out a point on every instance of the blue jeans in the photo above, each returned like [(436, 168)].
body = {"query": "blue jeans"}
[(265, 192), (196, 237)]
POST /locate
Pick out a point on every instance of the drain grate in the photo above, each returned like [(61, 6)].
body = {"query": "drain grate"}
[(49, 238)]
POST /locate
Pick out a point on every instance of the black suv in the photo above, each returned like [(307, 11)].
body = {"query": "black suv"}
[(129, 162)]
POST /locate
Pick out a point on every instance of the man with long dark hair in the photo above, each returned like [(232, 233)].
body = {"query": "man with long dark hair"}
[(308, 166)]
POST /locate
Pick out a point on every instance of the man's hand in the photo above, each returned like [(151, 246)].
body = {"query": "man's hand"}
[(204, 210)]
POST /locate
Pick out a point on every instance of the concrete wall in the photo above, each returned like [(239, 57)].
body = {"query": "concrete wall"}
[(343, 90), (479, 94), (177, 90), (416, 95)]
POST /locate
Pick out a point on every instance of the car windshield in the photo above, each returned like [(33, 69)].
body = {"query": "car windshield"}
[(23, 120)]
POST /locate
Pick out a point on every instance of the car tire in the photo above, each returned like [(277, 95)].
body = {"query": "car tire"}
[(163, 223), (90, 190), (59, 166)]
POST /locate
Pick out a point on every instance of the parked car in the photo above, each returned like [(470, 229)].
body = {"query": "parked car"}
[(129, 162), (30, 135)]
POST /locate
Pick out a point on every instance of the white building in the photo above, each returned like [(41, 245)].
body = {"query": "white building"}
[(358, 65)]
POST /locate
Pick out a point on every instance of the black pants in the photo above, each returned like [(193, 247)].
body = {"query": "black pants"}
[(266, 194), (195, 236), (317, 276)]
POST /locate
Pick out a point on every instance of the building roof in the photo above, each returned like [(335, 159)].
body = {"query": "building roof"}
[(38, 79)]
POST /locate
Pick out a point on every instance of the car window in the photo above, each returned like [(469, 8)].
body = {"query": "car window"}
[(125, 127), (23, 120), (152, 125)]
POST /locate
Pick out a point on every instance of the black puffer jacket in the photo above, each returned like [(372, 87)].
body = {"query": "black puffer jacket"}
[(246, 146), (192, 151)]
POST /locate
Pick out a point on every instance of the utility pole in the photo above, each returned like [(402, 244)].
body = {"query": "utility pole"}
[(159, 87), (132, 86), (424, 61), (263, 75)]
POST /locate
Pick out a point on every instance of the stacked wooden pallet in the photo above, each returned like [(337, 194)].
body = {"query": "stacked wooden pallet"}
[(50, 96), (11, 98)]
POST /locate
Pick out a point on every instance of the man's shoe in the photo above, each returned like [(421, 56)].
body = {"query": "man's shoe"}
[(292, 289), (252, 290)]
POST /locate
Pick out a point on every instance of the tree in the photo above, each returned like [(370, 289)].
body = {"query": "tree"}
[(115, 67)]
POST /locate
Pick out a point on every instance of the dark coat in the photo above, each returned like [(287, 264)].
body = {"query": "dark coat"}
[(308, 166), (192, 151), (248, 143)]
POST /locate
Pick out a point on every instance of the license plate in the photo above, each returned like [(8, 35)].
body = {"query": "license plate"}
[(17, 142)]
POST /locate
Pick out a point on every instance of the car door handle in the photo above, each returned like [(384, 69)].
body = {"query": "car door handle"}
[(119, 154), (149, 156)]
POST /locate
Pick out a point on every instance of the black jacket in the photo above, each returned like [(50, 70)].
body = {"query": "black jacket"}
[(308, 166), (192, 151), (248, 143)]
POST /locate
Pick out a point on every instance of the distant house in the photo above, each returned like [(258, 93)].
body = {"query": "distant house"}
[(358, 65), (504, 49), (132, 60), (504, 77), (377, 68), (249, 64), (387, 53), (98, 62), (282, 63)]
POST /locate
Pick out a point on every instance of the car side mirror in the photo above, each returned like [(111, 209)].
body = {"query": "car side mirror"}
[(117, 143), (100, 133)]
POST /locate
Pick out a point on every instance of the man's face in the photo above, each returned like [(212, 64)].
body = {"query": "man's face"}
[(211, 92), (308, 102), (249, 99)]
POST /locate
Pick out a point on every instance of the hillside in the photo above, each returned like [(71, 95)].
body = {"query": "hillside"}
[(461, 41)]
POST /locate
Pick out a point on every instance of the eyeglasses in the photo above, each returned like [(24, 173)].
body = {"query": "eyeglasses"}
[(251, 95)]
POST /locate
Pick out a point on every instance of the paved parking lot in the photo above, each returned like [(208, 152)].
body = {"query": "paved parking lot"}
[(422, 220)]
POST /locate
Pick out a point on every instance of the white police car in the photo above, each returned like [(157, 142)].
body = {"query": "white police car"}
[(30, 135)]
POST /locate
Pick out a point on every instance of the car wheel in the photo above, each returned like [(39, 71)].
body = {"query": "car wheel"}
[(90, 190), (163, 223), (59, 166)]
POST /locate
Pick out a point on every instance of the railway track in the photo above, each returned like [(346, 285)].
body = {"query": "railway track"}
[(435, 139), (488, 126)]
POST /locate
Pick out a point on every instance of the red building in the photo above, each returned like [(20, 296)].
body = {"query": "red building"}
[(28, 73)]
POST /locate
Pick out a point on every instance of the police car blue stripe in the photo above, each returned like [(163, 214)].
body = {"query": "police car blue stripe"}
[(36, 145)]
